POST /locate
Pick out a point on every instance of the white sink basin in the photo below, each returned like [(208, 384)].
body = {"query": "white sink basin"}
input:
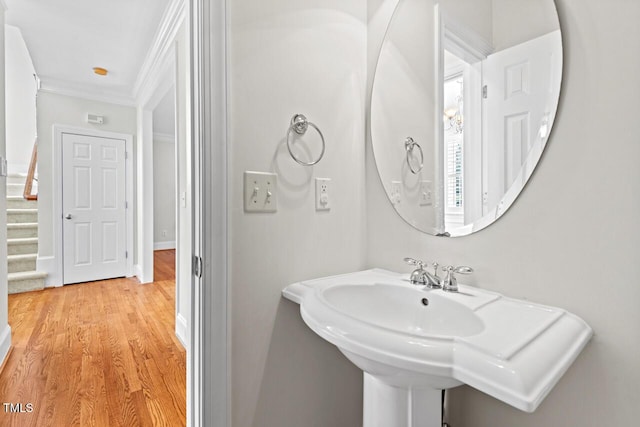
[(412, 342), (403, 310)]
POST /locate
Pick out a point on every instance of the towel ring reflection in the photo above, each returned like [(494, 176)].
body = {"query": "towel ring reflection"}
[(300, 124), (409, 145)]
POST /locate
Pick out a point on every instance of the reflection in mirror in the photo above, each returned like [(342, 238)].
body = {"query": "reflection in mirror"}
[(475, 86)]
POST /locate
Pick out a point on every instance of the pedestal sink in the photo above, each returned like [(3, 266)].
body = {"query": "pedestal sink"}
[(412, 342)]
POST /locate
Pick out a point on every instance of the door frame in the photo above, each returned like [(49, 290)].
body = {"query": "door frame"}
[(57, 276), (208, 366)]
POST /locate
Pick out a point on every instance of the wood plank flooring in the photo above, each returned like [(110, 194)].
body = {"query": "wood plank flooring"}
[(96, 354)]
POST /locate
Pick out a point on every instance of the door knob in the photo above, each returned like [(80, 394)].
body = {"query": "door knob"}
[(67, 216)]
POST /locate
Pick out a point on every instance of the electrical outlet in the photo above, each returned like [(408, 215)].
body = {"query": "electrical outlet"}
[(396, 192), (426, 193), (260, 192), (323, 201)]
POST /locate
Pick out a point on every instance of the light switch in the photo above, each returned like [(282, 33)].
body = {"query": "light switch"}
[(426, 193), (260, 192)]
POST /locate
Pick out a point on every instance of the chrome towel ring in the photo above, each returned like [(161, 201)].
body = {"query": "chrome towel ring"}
[(300, 124), (409, 145)]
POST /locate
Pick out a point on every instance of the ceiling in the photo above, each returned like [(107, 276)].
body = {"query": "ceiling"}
[(67, 38)]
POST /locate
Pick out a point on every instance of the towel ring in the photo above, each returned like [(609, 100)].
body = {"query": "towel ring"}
[(409, 145), (300, 124)]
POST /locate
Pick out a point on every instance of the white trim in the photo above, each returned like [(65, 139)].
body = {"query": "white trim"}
[(164, 137), (59, 87), (5, 341), (209, 365), (156, 85), (49, 265), (182, 331), (165, 36), (58, 131), (162, 246), (3, 6), (137, 271)]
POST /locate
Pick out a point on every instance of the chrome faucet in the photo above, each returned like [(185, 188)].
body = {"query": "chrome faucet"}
[(422, 277), (450, 283)]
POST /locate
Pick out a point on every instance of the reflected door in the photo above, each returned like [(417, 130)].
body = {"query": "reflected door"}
[(518, 111), (94, 208)]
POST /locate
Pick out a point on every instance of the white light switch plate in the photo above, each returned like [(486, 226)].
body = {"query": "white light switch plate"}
[(396, 192), (323, 194), (260, 192), (426, 193)]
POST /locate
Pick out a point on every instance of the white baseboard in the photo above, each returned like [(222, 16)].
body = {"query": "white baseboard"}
[(48, 264), (181, 330), (137, 272), (160, 246), (5, 343)]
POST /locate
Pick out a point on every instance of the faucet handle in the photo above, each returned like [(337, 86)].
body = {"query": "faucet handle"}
[(449, 283), (415, 262), (463, 269)]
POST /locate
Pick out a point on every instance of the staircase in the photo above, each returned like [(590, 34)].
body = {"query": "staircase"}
[(22, 239)]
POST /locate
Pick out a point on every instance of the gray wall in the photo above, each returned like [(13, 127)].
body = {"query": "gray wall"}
[(288, 57), (572, 239)]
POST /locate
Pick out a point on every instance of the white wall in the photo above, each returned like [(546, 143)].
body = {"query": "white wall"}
[(164, 192), (288, 57), (69, 111), (572, 239), (5, 330), (20, 100)]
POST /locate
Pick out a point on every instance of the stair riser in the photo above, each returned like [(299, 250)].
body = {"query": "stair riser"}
[(16, 179), (14, 189), (15, 218), (17, 233), (17, 286), (27, 248), (21, 203), (22, 265)]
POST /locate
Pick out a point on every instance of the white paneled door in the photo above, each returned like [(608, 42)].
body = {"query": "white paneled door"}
[(94, 208), (522, 89)]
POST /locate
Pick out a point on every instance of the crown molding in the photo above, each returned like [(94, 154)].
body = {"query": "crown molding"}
[(84, 92), (167, 30)]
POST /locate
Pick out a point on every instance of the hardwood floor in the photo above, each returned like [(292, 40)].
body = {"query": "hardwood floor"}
[(96, 354)]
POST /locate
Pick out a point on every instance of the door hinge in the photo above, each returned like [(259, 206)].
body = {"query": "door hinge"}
[(484, 92), (126, 254), (126, 205), (197, 266), (126, 155)]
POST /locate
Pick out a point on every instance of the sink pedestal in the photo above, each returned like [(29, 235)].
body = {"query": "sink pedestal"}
[(386, 405)]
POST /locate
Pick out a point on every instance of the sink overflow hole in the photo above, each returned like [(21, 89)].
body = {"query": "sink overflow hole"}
[(425, 301)]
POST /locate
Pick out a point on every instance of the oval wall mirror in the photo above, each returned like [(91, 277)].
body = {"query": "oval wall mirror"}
[(464, 97)]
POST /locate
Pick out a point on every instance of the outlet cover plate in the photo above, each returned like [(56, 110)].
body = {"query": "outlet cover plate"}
[(323, 194), (260, 192)]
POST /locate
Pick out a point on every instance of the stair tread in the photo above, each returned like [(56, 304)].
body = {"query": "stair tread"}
[(21, 210), (26, 275), (13, 225), (22, 240), (21, 257)]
